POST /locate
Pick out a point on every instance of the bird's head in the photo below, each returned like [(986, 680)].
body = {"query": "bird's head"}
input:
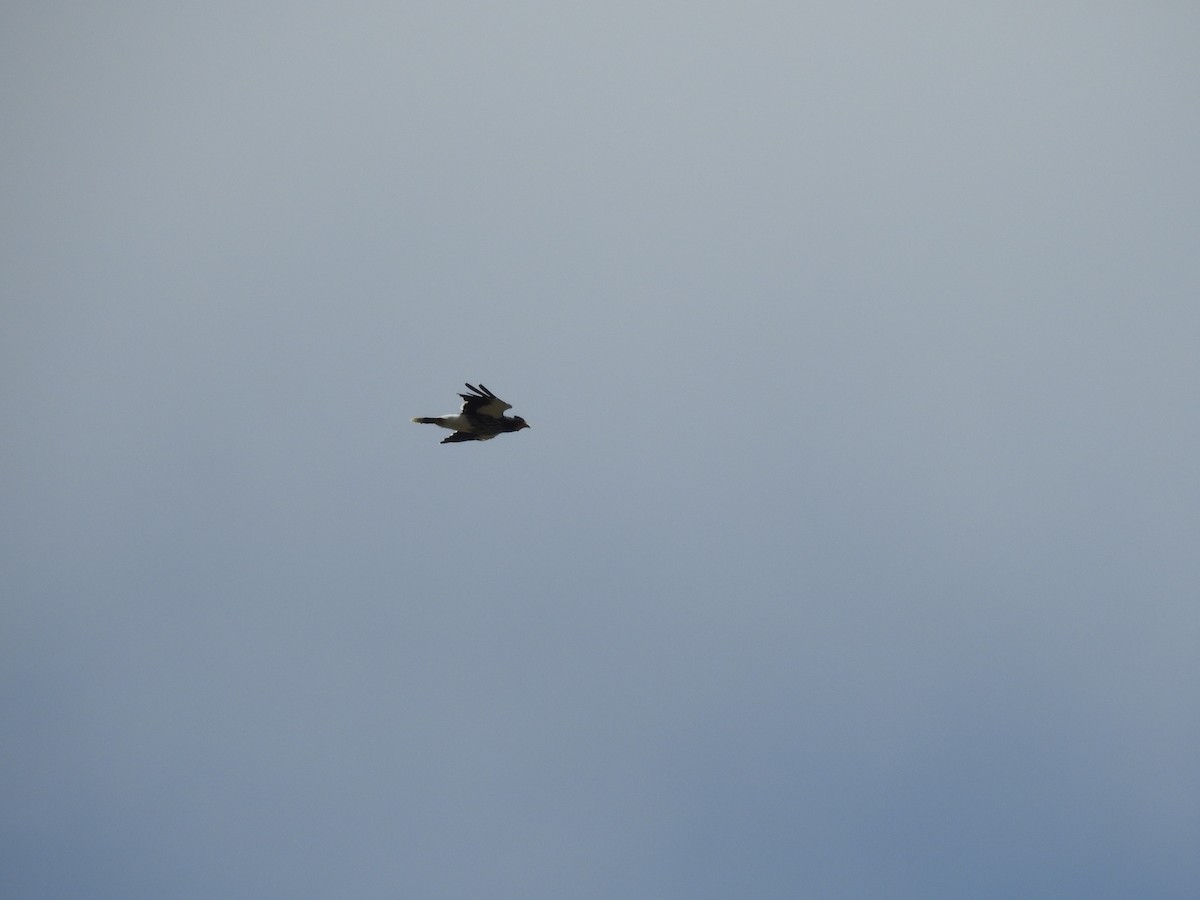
[(521, 423)]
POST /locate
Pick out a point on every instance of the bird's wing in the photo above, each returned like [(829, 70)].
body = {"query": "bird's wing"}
[(482, 402), (461, 436)]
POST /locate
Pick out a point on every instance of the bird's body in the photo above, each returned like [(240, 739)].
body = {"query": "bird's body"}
[(481, 418)]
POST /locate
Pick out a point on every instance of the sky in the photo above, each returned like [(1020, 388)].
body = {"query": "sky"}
[(852, 551)]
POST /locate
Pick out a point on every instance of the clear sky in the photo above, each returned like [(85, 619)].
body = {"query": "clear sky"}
[(853, 550)]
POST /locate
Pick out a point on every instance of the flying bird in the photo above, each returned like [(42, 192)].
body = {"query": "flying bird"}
[(481, 418)]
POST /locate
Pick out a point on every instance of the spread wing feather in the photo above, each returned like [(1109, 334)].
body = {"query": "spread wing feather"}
[(482, 402)]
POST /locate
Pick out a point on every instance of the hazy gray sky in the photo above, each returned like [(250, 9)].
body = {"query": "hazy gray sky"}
[(853, 548)]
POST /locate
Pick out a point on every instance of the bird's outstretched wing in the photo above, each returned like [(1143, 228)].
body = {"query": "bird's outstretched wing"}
[(462, 436), (482, 402)]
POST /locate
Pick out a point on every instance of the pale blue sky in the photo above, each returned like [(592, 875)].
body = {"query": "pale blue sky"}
[(853, 548)]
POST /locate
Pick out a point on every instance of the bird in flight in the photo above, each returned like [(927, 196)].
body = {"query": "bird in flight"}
[(481, 418)]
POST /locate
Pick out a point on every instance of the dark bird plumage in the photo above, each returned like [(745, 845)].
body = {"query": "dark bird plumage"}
[(481, 418)]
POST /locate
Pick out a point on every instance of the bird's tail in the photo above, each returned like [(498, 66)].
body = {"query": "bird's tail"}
[(425, 420)]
